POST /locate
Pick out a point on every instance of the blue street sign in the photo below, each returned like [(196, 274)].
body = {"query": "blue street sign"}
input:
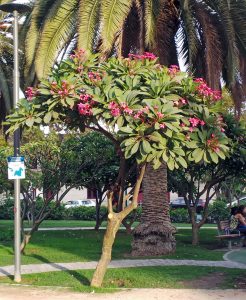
[(16, 167)]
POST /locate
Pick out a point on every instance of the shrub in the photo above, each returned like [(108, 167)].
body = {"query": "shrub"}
[(7, 209), (6, 235), (179, 215), (218, 210)]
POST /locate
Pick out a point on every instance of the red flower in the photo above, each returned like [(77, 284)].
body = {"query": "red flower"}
[(146, 55), (205, 91), (173, 70), (94, 76), (194, 122), (30, 93), (85, 109), (160, 115), (213, 143)]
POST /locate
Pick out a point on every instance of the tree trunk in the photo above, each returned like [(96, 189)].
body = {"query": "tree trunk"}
[(155, 233), (114, 221), (27, 237), (98, 220), (128, 226), (113, 226), (195, 234), (25, 241), (195, 227)]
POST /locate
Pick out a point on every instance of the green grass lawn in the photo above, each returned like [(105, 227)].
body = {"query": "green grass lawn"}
[(78, 245), (77, 223), (144, 277)]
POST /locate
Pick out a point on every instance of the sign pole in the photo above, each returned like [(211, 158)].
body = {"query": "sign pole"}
[(18, 172), (17, 206)]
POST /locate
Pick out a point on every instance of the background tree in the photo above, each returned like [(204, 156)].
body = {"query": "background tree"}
[(202, 181), (99, 165)]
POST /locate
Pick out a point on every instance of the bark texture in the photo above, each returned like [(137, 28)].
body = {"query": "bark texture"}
[(155, 233)]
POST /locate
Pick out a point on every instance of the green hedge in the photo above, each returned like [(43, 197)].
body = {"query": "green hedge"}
[(84, 213), (7, 209)]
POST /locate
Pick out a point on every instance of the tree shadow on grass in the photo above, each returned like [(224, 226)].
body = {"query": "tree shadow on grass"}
[(79, 277)]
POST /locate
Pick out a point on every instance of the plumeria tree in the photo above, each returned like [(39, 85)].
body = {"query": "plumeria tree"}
[(151, 113)]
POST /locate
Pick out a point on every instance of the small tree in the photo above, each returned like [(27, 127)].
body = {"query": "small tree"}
[(204, 180), (99, 163), (151, 114), (219, 211)]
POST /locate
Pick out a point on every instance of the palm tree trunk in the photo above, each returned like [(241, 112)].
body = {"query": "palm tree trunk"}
[(155, 233)]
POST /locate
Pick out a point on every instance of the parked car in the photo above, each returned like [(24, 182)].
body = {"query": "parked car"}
[(241, 201), (77, 203)]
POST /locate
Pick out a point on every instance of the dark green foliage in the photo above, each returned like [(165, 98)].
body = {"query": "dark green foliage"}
[(179, 215), (219, 211), (7, 209)]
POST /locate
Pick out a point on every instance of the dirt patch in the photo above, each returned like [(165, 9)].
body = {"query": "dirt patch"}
[(211, 281), (215, 281), (240, 283)]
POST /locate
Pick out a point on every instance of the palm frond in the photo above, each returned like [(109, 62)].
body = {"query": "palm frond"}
[(89, 16), (167, 24), (212, 45), (114, 14), (5, 89), (151, 12), (38, 16), (228, 33), (130, 37), (57, 30), (190, 28)]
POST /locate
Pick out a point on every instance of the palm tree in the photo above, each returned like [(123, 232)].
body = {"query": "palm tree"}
[(155, 234)]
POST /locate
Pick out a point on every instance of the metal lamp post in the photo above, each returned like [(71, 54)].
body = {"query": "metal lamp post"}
[(16, 8)]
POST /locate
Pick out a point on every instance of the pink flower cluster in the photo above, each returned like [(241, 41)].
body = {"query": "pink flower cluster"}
[(30, 93), (173, 70), (146, 55), (63, 91), (213, 143), (79, 54), (204, 90), (140, 113), (116, 109), (181, 102), (94, 76), (220, 123), (160, 115), (195, 122), (85, 109), (86, 104)]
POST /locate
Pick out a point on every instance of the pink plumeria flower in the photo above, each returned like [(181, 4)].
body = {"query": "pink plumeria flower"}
[(160, 115)]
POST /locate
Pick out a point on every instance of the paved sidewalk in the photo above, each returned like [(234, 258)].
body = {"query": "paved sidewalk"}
[(124, 263), (8, 292)]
